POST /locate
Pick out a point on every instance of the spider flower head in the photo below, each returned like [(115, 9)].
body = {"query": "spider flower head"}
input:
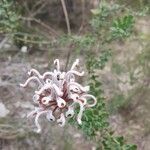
[(57, 95)]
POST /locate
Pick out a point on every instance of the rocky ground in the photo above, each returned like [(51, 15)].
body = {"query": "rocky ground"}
[(128, 86)]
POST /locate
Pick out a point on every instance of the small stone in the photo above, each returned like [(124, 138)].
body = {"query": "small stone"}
[(27, 105), (4, 110), (24, 49), (93, 148), (77, 135)]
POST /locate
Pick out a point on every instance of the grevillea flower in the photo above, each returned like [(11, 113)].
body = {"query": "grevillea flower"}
[(58, 94)]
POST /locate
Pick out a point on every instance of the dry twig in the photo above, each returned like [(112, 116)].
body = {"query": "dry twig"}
[(66, 16)]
